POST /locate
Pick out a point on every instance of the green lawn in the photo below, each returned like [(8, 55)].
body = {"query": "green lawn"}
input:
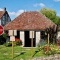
[(20, 53)]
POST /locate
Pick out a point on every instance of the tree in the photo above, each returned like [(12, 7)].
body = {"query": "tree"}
[(51, 14), (57, 20)]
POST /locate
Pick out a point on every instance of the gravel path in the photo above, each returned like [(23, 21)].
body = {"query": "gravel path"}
[(52, 57)]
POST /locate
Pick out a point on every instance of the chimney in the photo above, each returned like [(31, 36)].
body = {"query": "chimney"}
[(4, 9)]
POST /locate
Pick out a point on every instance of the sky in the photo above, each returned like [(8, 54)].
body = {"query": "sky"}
[(16, 7)]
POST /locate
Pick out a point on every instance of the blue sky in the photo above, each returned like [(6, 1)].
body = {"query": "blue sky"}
[(16, 7)]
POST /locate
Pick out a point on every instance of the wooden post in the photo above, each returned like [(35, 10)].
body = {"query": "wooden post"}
[(32, 44), (48, 44), (12, 50), (32, 40), (48, 39)]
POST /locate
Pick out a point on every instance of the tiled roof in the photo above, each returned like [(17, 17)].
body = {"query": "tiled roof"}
[(1, 13), (30, 21)]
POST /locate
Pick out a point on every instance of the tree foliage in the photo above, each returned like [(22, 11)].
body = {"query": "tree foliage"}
[(51, 14)]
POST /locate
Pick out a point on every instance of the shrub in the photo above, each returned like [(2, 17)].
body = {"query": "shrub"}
[(8, 44), (51, 50), (2, 40), (17, 42), (58, 42), (47, 48), (4, 35)]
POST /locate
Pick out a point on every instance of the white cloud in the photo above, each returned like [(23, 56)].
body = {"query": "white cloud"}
[(42, 5), (11, 13), (57, 0), (16, 13), (1, 9), (39, 4), (19, 12)]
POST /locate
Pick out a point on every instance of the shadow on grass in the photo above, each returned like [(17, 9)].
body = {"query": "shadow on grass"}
[(35, 53), (20, 54)]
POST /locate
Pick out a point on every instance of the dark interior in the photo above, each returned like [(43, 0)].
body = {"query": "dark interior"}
[(18, 35), (28, 40)]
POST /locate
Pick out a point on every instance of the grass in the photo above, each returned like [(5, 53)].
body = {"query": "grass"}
[(20, 53)]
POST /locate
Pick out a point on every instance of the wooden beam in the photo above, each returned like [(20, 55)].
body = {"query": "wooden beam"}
[(48, 39), (32, 40), (12, 50)]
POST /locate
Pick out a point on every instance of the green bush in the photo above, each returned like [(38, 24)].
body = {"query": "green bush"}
[(4, 35), (8, 44), (2, 40), (16, 43), (52, 49)]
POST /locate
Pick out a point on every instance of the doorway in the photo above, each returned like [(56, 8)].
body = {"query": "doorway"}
[(28, 40)]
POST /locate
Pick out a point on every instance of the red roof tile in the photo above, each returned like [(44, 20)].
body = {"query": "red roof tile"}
[(30, 21)]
